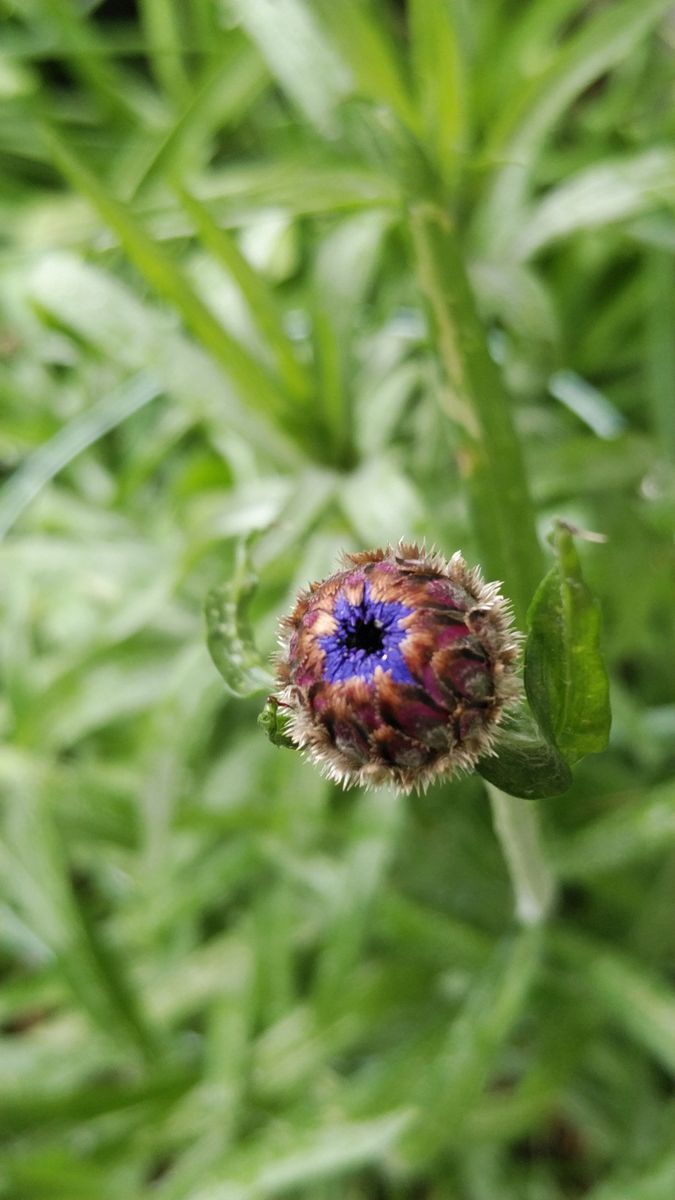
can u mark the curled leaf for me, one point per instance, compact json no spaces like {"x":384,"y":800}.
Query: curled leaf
{"x":228,"y":634}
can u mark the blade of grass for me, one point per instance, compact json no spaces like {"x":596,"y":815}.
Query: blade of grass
{"x":631,"y":833}
{"x":86,"y":55}
{"x":515,"y":48}
{"x":299,"y":56}
{"x":654,"y":1181}
{"x":587,"y":403}
{"x":458,"y":1075}
{"x":223,"y":1085}
{"x":598,"y":196}
{"x":51,"y":457}
{"x":220,"y":99}
{"x":343,"y":273}
{"x":375,"y":827}
{"x":427,"y":933}
{"x":27,"y":1112}
{"x":163,"y":37}
{"x":605,"y":38}
{"x":660,"y":348}
{"x":261,"y":304}
{"x":365,"y":44}
{"x":37,"y":873}
{"x":254,"y":384}
{"x":298,"y":187}
{"x":98,"y":309}
{"x":204,"y":19}
{"x":306,"y":1158}
{"x":637,"y":1002}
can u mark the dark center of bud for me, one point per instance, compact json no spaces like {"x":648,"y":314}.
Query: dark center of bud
{"x":366,"y":635}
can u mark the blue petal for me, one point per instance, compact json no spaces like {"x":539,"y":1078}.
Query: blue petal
{"x":343,"y":661}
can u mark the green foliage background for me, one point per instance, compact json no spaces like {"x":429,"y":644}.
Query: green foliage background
{"x":223,"y":979}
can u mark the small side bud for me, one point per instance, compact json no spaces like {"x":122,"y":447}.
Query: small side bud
{"x":274,"y":722}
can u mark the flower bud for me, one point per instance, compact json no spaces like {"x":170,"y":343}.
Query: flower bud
{"x":398,"y":668}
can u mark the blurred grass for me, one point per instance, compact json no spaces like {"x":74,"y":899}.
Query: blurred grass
{"x":222,"y":979}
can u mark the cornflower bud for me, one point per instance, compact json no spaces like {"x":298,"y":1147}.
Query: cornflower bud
{"x":398,"y":668}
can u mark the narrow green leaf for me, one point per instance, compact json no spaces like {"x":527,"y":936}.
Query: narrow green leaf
{"x":229,"y":638}
{"x":587,"y":403}
{"x":599,"y":195}
{"x":516,"y":48}
{"x":296,"y":186}
{"x":630,"y":833}
{"x":83,"y":48}
{"x":638,"y":1002}
{"x":367,"y":47}
{"x":24,"y":1111}
{"x":165,"y":49}
{"x":660,"y":348}
{"x":654,"y":1181}
{"x":305,"y":1157}
{"x":382,"y":397}
{"x":346,"y":262}
{"x":226,"y":90}
{"x":330,"y":366}
{"x":606,"y":37}
{"x":34,"y":1172}
{"x":85,"y":429}
{"x":100,"y":310}
{"x":609,"y":466}
{"x":424,"y":933}
{"x":298,"y":54}
{"x":112,"y":688}
{"x":458,"y":1075}
{"x":373,"y":833}
{"x":261,"y":304}
{"x":565,"y":677}
{"x":250,"y":379}
{"x":379,"y":500}
{"x":36,"y":875}
{"x":226,"y":1076}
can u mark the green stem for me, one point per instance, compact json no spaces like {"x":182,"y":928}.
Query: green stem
{"x":490,"y":456}
{"x":491,"y":462}
{"x":517,"y":827}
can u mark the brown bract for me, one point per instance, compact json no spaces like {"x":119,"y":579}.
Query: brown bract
{"x":436,"y":712}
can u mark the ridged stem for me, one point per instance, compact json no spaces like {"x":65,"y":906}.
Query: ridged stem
{"x":490,"y":458}
{"x":491,"y":462}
